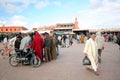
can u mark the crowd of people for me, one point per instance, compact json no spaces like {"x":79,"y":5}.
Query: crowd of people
{"x":46,"y":45}
{"x":108,"y":37}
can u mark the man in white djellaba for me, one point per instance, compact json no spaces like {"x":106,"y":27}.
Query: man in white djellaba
{"x":91,"y":51}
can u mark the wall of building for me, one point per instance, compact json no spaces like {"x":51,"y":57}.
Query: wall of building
{"x":8,"y":29}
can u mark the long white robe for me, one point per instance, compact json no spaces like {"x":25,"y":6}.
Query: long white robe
{"x":11,"y":44}
{"x":12,"y":41}
{"x":91,"y":50}
{"x":24,"y":43}
{"x":5,"y":40}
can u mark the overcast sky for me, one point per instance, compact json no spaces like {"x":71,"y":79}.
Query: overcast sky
{"x":95,"y":14}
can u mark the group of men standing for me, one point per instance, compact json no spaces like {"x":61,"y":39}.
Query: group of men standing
{"x":50,"y":47}
{"x":44,"y":44}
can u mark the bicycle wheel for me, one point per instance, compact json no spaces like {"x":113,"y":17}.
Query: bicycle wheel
{"x":35,"y":61}
{"x":13,"y":61}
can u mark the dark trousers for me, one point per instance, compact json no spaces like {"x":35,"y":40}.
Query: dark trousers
{"x":47,"y":54}
{"x":99,"y":55}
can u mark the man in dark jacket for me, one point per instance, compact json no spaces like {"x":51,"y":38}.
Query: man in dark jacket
{"x":18,"y":41}
{"x":47,"y":42}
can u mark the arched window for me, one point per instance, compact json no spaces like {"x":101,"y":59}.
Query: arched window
{"x":6,"y":29}
{"x":14,"y":29}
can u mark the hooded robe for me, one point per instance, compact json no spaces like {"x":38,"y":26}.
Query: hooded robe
{"x":38,"y":45}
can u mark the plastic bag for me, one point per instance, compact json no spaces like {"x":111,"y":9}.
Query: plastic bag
{"x":86,"y":61}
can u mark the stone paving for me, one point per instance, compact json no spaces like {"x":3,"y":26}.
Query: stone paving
{"x":68,"y":66}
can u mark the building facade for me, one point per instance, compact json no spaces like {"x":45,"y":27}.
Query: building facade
{"x":66,"y":28}
{"x":71,"y":28}
{"x":11,"y":29}
{"x":60,"y":28}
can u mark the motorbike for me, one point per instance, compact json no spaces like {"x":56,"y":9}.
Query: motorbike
{"x":28,"y":57}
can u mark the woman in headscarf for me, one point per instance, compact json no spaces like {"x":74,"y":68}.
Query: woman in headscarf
{"x":38,"y":45}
